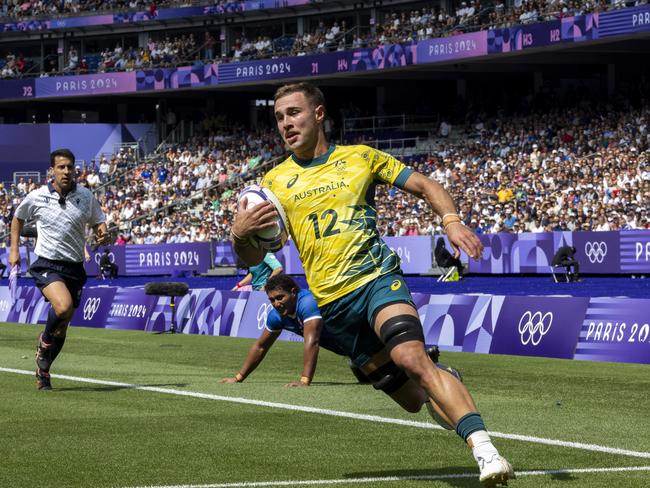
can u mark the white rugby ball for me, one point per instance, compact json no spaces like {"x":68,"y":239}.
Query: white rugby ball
{"x":273,"y":238}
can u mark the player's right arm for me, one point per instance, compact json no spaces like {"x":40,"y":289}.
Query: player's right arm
{"x":255,"y":356}
{"x":247,"y":222}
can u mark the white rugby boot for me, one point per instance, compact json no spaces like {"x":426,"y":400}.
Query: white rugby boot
{"x":495,"y":471}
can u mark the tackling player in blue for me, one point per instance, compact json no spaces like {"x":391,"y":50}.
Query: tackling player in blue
{"x":295,"y":310}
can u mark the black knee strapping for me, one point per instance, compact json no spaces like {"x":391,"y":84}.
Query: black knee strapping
{"x":388,"y":378}
{"x":401,"y":329}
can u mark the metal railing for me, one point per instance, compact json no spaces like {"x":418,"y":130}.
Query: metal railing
{"x":374,"y":123}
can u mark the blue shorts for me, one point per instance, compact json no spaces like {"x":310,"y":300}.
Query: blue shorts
{"x":349,"y":319}
{"x":46,"y":271}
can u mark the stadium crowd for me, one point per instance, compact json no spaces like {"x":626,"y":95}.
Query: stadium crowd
{"x":571,"y":169}
{"x":391,"y":27}
{"x":23,"y":10}
{"x":576,"y":169}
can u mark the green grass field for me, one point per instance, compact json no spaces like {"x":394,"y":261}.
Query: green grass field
{"x":141,"y":427}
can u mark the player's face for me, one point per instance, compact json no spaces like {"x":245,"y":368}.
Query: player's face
{"x":283,"y":301}
{"x":299,"y":122}
{"x":64,"y":172}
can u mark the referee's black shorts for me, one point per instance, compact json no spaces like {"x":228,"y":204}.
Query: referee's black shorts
{"x":46,"y":271}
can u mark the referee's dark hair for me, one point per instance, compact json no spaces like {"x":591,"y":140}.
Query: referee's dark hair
{"x":282,"y":282}
{"x":66,"y":153}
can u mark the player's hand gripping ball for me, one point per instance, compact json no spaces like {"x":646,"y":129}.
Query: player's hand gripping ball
{"x":272,"y":238}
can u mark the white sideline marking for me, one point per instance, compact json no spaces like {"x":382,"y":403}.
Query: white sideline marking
{"x":432,"y":477}
{"x":337,"y":413}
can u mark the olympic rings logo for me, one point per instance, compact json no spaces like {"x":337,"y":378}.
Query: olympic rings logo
{"x":91,"y":306}
{"x":262,"y":314}
{"x":596,"y":251}
{"x":534,"y":326}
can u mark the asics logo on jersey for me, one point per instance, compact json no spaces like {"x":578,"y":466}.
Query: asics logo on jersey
{"x":396,"y":285}
{"x":292,"y":181}
{"x":90,"y":307}
{"x":596,"y":251}
{"x":533,"y":326}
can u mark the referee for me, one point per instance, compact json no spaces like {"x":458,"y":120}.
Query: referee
{"x":62,"y":211}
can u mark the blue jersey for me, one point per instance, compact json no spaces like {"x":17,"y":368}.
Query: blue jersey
{"x":306,"y":310}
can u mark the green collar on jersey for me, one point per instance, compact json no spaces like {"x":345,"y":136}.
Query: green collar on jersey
{"x":317,"y":161}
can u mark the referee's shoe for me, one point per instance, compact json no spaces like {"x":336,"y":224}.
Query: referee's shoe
{"x":43,"y":363}
{"x":43,"y":354}
{"x":43,"y":380}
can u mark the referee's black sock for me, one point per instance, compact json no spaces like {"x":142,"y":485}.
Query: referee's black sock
{"x":57,"y":346}
{"x":51,"y":325}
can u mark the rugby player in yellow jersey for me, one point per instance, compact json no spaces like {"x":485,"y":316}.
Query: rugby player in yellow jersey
{"x":327,"y":192}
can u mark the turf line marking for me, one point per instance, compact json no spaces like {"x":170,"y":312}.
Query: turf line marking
{"x":432,"y":477}
{"x":337,"y":413}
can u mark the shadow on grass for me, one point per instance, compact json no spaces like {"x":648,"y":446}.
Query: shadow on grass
{"x":110,"y":388}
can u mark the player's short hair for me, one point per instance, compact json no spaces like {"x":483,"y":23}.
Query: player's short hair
{"x":311,"y":92}
{"x":281,"y":282}
{"x":66,"y":153}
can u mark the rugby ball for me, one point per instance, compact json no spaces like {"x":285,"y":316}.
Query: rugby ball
{"x":273,"y":238}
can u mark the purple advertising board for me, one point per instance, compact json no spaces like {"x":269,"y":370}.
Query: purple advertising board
{"x":95,"y":306}
{"x":130,"y":309}
{"x":256,"y":311}
{"x":29,"y":307}
{"x":155,"y":259}
{"x":224,"y":255}
{"x":520,"y":37}
{"x":174,"y":78}
{"x":414,"y":253}
{"x":539,"y":326}
{"x":635,"y":251}
{"x":619,"y":252}
{"x":445,"y":318}
{"x":615,"y":330}
{"x":625,"y":21}
{"x":67,"y":86}
{"x":24,"y":88}
{"x":455,"y":47}
{"x":597,"y":252}
{"x":598,"y":329}
{"x":166,"y":258}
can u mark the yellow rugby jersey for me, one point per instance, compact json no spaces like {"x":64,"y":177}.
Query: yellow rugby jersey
{"x":329,"y":203}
